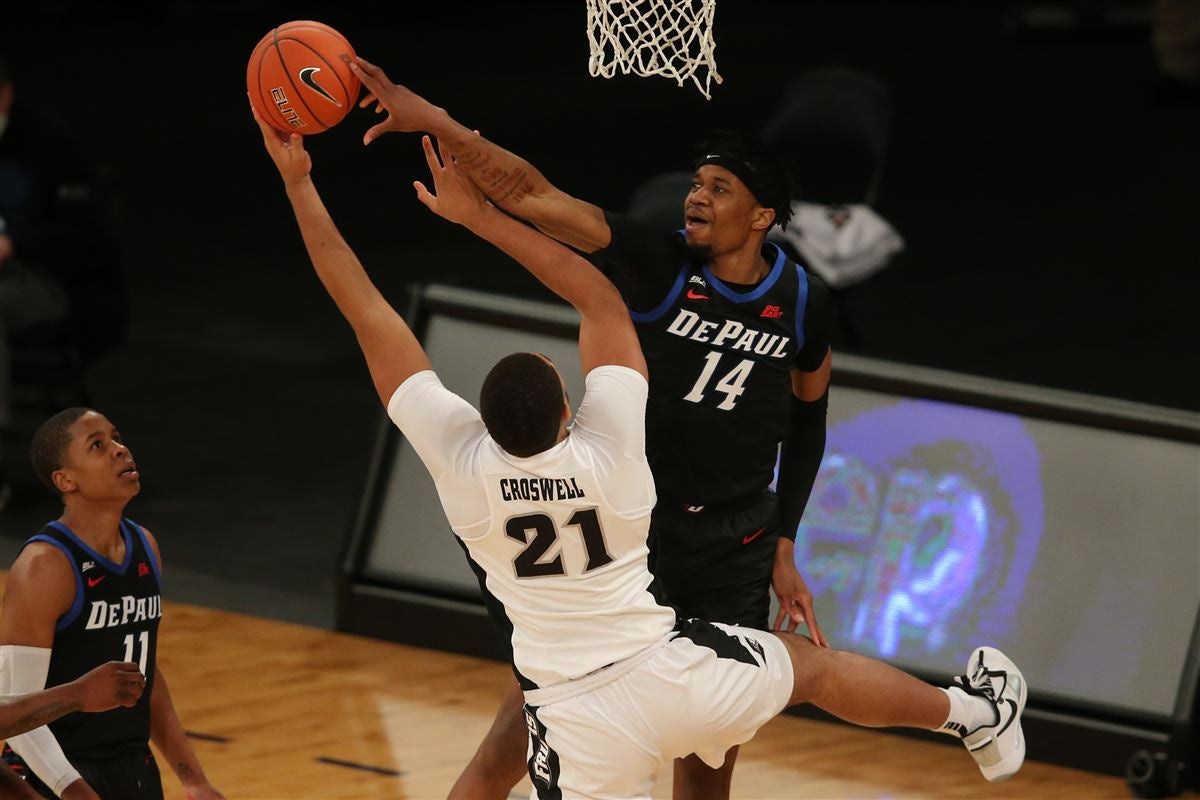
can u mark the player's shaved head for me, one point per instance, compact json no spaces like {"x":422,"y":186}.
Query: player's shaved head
{"x":48,"y":450}
{"x":521,"y":403}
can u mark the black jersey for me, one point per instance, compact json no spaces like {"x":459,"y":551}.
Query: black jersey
{"x":720,"y":358}
{"x":114,"y":617}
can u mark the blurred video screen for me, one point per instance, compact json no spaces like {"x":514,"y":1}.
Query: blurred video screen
{"x":935,"y":527}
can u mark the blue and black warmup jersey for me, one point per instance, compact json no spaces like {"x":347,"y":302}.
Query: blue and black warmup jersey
{"x":114,"y":617}
{"x":720,"y":358}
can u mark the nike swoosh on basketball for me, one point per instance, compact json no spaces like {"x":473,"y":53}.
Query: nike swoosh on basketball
{"x":693,"y":296}
{"x":307,"y":75}
{"x":93,"y":582}
{"x":753,"y":536}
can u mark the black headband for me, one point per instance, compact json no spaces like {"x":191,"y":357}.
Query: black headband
{"x":744,"y":171}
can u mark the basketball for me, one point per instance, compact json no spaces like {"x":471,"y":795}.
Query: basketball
{"x":299,"y":77}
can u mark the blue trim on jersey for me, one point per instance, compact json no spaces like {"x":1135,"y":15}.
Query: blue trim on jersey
{"x":109,"y":565}
{"x":758,"y":291}
{"x":73,"y":612}
{"x":154,"y":565}
{"x":801,"y":305}
{"x":651,"y":316}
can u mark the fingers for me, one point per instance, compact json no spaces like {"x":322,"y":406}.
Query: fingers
{"x":425,"y":196}
{"x":810,"y":619}
{"x":374,"y":132}
{"x":361,"y":63}
{"x":115,"y":683}
{"x":368,"y":98}
{"x":371,"y":75}
{"x":818,"y":634}
{"x":369,"y":68}
{"x":271,"y":135}
{"x":258,"y":120}
{"x":435,"y":166}
{"x":447,"y":158}
{"x":780,"y":619}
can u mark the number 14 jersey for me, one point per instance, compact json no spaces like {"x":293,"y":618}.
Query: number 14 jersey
{"x":720,"y":358}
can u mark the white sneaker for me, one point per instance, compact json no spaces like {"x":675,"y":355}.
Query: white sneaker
{"x":999,"y":748}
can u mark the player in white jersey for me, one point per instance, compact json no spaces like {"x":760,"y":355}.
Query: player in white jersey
{"x":558,"y":516}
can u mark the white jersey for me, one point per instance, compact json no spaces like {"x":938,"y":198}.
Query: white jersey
{"x":561,"y":535}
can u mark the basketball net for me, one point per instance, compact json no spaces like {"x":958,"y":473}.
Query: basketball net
{"x":672,"y":38}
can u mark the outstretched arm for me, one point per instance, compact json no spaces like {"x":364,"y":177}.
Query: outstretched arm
{"x":392,"y":351}
{"x":606,"y":334}
{"x":508,"y":180}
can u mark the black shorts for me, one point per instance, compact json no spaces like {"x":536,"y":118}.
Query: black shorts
{"x":129,"y":775}
{"x":715,"y":564}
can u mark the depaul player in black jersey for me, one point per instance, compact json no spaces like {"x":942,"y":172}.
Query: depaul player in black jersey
{"x":84,"y":591}
{"x":735,"y":338}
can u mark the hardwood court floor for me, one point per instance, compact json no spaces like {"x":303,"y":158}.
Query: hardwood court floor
{"x":286,"y":696}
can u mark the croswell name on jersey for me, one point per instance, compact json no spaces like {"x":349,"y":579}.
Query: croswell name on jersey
{"x":561,"y":535}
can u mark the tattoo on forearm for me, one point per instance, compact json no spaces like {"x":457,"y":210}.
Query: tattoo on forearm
{"x":42,"y":714}
{"x":497,"y":183}
{"x":184,"y":771}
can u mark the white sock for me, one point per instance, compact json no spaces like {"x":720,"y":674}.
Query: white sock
{"x":968,"y":713}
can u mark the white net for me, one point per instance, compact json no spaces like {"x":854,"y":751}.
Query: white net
{"x":672,"y":38}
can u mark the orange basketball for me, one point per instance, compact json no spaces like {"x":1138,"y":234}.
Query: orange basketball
{"x":299,"y":77}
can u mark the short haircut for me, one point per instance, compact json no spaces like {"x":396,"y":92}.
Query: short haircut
{"x":521,"y":403}
{"x":50,"y":443}
{"x":764,"y":173}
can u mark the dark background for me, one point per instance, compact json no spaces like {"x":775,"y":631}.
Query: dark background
{"x":1045,"y":179}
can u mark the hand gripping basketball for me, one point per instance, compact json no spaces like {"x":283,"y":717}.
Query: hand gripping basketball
{"x":299,"y":79}
{"x":286,"y":150}
{"x":407,"y":111}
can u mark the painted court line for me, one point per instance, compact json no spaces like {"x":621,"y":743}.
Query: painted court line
{"x":337,"y":762}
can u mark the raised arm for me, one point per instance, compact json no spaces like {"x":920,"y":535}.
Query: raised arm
{"x":508,"y":180}
{"x":392,"y":351}
{"x":606,"y":334}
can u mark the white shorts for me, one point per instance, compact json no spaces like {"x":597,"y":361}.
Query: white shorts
{"x":704,"y":690}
